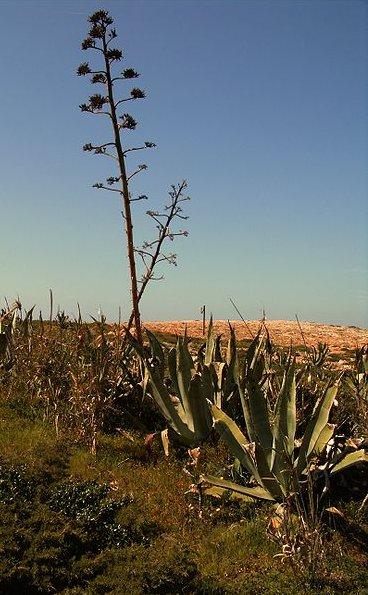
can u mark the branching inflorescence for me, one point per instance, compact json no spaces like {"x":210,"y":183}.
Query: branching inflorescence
{"x":151,"y":253}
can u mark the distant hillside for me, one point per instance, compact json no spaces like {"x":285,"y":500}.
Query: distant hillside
{"x":282,"y":332}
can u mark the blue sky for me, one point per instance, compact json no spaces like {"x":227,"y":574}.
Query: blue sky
{"x":260,"y":105}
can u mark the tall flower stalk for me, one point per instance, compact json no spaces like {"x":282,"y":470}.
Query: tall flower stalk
{"x":99,"y":39}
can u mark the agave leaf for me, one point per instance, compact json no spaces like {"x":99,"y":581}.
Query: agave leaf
{"x":231,"y":348}
{"x":229,"y":385}
{"x":135,"y":344}
{"x":231,"y":352}
{"x":217,"y":492}
{"x":217,"y":355}
{"x":145,"y":381}
{"x":285,"y":412}
{"x":350,"y":384}
{"x":184,"y":372}
{"x":200,"y":409}
{"x":210,"y":344}
{"x":353,"y":458}
{"x":180,"y":409}
{"x":253,"y":350}
{"x":213,"y":491}
{"x":171,"y":362}
{"x":246,"y":410}
{"x":156,"y":348}
{"x":237,"y":467}
{"x":252,"y":398}
{"x":242,"y":393}
{"x":161,"y":395}
{"x":254,"y":363}
{"x":29,"y":314}
{"x":323,"y":439}
{"x":208,"y":387}
{"x":275,"y":448}
{"x":284,"y":429}
{"x":236,"y":441}
{"x":185,"y":353}
{"x":219,"y":372}
{"x":260,"y":421}
{"x":316,"y":424}
{"x":256,"y":493}
{"x":267,"y":478}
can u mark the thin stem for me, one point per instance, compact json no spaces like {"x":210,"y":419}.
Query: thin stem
{"x":162,"y":235}
{"x":126,"y":198}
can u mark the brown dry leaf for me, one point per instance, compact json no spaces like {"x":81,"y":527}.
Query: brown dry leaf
{"x":334,"y":511}
{"x":165,"y":441}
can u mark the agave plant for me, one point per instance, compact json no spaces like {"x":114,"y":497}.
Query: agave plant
{"x":357,"y":380}
{"x":185,"y":387}
{"x":221,"y":367}
{"x":184,"y":397}
{"x":277,"y":463}
{"x":356,"y":384}
{"x":319,"y":354}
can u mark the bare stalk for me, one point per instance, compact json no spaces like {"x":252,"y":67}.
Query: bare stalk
{"x":125,"y":194}
{"x":100,"y":36}
{"x":152,"y":252}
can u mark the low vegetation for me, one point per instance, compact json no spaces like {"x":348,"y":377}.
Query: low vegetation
{"x":90,"y":502}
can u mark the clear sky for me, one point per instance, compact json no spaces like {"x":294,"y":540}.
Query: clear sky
{"x":260,"y":105}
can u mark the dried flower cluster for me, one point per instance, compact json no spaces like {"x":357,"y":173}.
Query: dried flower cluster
{"x":100,"y":36}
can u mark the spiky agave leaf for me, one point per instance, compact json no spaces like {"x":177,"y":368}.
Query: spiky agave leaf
{"x":210,"y":344}
{"x":315,"y":426}
{"x":247,"y":493}
{"x":353,"y":458}
{"x":284,"y":427}
{"x":238,"y":444}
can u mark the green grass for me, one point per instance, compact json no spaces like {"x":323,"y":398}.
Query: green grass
{"x":145,"y":535}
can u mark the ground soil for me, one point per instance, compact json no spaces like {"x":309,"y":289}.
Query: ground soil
{"x":282,"y":332}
